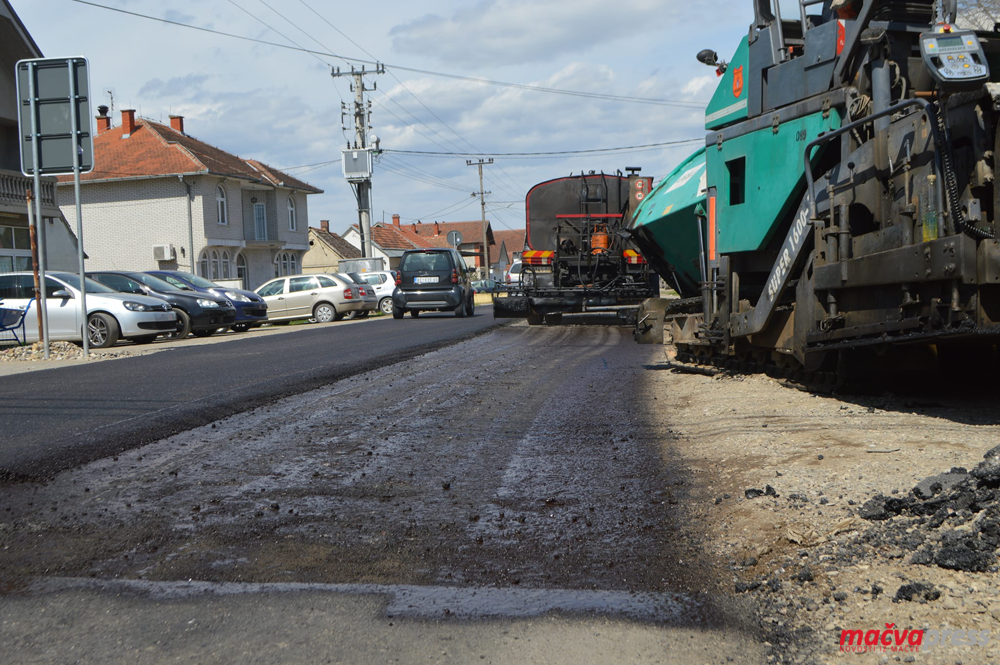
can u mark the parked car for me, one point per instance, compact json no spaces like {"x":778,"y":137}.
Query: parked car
{"x":384,"y":283}
{"x":432,"y":280}
{"x":367,"y":292}
{"x":513,"y":275}
{"x":322,"y":297}
{"x":110,"y":315}
{"x":251,"y":310}
{"x":198,"y":313}
{"x":485,"y":286}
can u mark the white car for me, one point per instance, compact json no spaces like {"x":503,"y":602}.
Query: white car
{"x":110,"y":314}
{"x":513,"y":275}
{"x":384,"y":283}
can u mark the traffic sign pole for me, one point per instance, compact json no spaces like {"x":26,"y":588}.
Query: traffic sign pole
{"x":75,"y":124}
{"x":39,"y":222}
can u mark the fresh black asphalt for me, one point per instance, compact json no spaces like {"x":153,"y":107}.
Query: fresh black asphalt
{"x":60,"y":418}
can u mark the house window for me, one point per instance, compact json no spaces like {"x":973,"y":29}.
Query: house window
{"x":286,"y":263}
{"x":225,"y":265}
{"x":260,"y":221}
{"x":241,"y":270}
{"x":220,"y":203}
{"x":205,"y":265}
{"x":15,"y":249}
{"x":216,"y":274}
{"x":292,"y":225}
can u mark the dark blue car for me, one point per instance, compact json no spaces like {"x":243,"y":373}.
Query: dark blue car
{"x":251,"y":310}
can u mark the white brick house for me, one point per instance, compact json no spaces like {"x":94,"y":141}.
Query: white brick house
{"x":249,"y":221}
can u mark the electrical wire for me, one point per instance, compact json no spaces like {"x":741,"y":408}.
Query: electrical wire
{"x":555,"y":153}
{"x":471,"y":79}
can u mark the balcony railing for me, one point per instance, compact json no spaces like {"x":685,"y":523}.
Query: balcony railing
{"x":13,"y":185}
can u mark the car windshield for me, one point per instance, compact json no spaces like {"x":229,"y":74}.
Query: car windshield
{"x":154,"y":283}
{"x":431,"y":261}
{"x":92,"y":286}
{"x":200,"y":282}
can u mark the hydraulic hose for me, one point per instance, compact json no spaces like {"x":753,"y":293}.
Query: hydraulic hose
{"x":951,"y":184}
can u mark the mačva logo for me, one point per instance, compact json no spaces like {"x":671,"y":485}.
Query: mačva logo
{"x":908,"y":641}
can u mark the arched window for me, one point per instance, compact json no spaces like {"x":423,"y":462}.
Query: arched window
{"x":215,"y":266}
{"x":205,"y":267}
{"x":284,"y":263}
{"x":225,"y":265}
{"x":293,"y":263}
{"x":292,"y":222}
{"x":220,"y":203}
{"x":241,"y":269}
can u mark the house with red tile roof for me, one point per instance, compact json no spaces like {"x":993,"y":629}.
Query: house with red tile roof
{"x":389,"y":241}
{"x":154,"y":186}
{"x":471,"y":246}
{"x":508,"y":248}
{"x":326,"y":250}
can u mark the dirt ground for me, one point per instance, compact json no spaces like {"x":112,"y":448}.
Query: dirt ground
{"x":815,"y":566}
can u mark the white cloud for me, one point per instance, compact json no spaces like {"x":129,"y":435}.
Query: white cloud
{"x":521,"y":31}
{"x":699,"y":83}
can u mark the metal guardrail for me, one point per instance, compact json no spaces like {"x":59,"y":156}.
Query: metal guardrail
{"x":13,"y":185}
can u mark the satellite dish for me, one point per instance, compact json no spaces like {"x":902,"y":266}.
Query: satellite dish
{"x":454,"y":238}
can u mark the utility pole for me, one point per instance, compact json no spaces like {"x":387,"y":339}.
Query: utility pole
{"x":362,"y":124}
{"x":482,"y":205}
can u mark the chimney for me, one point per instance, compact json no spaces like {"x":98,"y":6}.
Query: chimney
{"x":324,"y":224}
{"x":414,"y":228}
{"x":395,"y":221}
{"x":177,"y":123}
{"x":437,"y":229}
{"x":128,"y":122}
{"x":103,"y":121}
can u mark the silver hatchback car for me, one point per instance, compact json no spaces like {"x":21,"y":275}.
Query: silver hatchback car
{"x":111,"y":315}
{"x":322,"y":297}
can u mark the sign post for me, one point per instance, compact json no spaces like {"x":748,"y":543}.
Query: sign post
{"x":54,"y":94}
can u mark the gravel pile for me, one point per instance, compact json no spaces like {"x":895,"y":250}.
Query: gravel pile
{"x":57,"y":351}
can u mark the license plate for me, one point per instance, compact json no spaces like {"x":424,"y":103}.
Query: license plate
{"x":425,"y":280}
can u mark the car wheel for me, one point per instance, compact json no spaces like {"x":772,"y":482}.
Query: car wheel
{"x":240,"y":327}
{"x":397,"y":313}
{"x":414,"y":313}
{"x":462,"y":309}
{"x":204,"y":333}
{"x":102,"y":331}
{"x":324,"y":312}
{"x":147,"y":339}
{"x":385,"y":304}
{"x":183,"y":326}
{"x":472,"y":306}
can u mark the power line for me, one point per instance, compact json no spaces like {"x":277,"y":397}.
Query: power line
{"x":647,"y":146}
{"x":471,"y":79}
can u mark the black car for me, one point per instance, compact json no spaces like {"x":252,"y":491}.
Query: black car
{"x":198,"y":313}
{"x":432,"y":280}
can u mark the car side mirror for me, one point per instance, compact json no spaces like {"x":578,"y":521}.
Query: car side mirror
{"x":62,"y":293}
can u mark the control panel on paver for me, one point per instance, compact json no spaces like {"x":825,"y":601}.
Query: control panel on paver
{"x":955,"y":58}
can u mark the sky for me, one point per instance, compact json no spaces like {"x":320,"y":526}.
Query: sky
{"x":283,"y":107}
